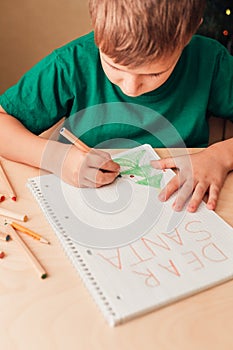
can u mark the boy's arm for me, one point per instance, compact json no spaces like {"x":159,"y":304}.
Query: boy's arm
{"x":73,"y":166}
{"x":199,"y":173}
{"x":17,"y":143}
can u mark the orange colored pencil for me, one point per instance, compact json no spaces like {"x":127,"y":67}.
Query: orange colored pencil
{"x":28,"y":232}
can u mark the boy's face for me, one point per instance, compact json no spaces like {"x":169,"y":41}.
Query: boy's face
{"x":137,"y":81}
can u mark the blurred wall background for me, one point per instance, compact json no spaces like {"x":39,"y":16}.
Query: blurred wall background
{"x":31,"y":29}
{"x":218,"y":22}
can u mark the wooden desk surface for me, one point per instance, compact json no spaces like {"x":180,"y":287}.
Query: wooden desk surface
{"x":58,"y":313}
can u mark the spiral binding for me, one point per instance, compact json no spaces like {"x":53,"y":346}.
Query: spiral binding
{"x":74,"y":255}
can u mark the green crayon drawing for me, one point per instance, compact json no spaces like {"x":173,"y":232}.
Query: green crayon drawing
{"x":153,"y":181}
{"x":145,"y":171}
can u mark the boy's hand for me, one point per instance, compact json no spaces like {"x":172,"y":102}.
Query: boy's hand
{"x":198,"y":174}
{"x":93,"y":169}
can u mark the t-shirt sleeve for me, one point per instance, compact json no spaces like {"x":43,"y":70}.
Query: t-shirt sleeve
{"x":221,"y":93}
{"x":42,"y":96}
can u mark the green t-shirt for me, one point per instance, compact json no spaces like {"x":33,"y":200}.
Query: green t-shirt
{"x":71,"y":82}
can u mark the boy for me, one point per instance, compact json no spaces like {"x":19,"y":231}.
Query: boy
{"x":144,"y":55}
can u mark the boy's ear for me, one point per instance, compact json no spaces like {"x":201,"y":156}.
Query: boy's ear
{"x":200,"y":23}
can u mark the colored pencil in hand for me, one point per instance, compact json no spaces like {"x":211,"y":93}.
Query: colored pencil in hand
{"x":78,"y":143}
{"x":73,"y":139}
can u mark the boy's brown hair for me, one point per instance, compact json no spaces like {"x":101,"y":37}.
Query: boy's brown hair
{"x":134,"y":32}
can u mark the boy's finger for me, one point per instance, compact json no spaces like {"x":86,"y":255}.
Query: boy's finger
{"x":198,"y":194}
{"x":182,"y":196}
{"x":165,"y":163}
{"x":88,"y":184}
{"x":97,"y":161}
{"x":213,"y":197}
{"x":170,"y":188}
{"x":105,"y":178}
{"x":103,"y":154}
{"x":110,"y":166}
{"x":97,"y":178}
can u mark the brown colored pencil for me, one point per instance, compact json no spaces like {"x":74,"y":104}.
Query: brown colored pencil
{"x":35,"y":262}
{"x":8,"y":185}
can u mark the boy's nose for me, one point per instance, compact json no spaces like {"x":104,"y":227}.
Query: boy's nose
{"x":131,"y":85}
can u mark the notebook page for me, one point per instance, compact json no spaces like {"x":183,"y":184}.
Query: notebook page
{"x":173,"y":256}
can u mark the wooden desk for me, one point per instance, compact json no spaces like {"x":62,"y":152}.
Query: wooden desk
{"x":58,"y":313}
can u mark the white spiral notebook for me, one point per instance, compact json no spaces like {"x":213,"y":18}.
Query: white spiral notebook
{"x":134,"y":253}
